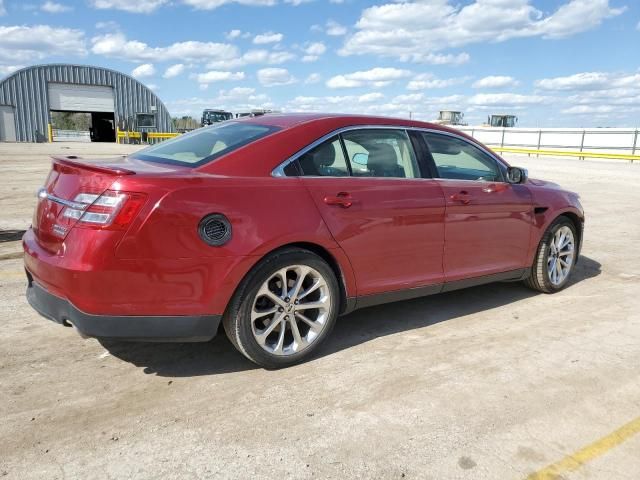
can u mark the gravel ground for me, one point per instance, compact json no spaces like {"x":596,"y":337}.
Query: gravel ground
{"x":492,"y":382}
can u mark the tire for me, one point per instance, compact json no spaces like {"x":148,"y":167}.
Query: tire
{"x":542,"y":276}
{"x":261,"y":316}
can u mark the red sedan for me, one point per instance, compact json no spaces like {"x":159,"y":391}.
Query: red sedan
{"x":274,"y":226}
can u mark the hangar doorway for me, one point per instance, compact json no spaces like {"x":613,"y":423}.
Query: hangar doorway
{"x":82,"y":113}
{"x":7,"y":124}
{"x":83,"y":126}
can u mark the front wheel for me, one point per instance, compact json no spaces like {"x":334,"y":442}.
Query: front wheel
{"x":555,"y":258}
{"x":284,"y":309}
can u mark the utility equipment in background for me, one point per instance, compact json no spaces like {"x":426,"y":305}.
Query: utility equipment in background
{"x":450,"y":117}
{"x":502,"y":120}
{"x":210,"y":116}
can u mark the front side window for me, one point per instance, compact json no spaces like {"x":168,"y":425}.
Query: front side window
{"x":457,"y":159}
{"x":205,"y":144}
{"x":325,"y":160}
{"x":380,"y":153}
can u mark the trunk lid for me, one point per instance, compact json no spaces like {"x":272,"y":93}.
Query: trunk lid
{"x":71,"y":176}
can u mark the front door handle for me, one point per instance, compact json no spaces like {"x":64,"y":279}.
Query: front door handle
{"x":342,"y":199}
{"x":462,"y":197}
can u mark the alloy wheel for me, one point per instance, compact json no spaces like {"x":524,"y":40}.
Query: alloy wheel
{"x":561,"y":254}
{"x":290,"y":310}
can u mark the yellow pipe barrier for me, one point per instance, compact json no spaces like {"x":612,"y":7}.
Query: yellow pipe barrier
{"x":162,"y":135}
{"x":566,"y":153}
{"x":50,"y":132}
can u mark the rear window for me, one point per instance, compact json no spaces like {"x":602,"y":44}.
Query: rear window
{"x":205,"y":144}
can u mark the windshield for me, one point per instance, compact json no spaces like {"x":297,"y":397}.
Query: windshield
{"x":205,"y":144}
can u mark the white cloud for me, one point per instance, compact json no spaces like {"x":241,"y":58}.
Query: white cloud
{"x":269,"y":37}
{"x":218,"y":76}
{"x":334,"y":29}
{"x":588,"y":109}
{"x":505,"y":99}
{"x":412,"y":30}
{"x":590,"y":81}
{"x":213,"y":4}
{"x":377,"y":77}
{"x":108,"y":25}
{"x":144,"y":70}
{"x":174,"y":70}
{"x":53,"y":7}
{"x":117,"y":45}
{"x":237,"y":99}
{"x":137,"y":6}
{"x":254,"y":57}
{"x":313,"y":78}
{"x":596,"y":92}
{"x":427,"y":81}
{"x":233,"y":34}
{"x":313,"y":51}
{"x":495,"y":81}
{"x":370,"y":97}
{"x":271,"y":77}
{"x":28,"y":44}
{"x":9,"y":69}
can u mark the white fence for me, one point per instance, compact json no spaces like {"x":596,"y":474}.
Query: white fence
{"x":70,"y":135}
{"x":619,"y":141}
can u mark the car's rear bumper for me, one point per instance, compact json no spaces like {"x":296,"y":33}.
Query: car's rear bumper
{"x":197,"y":328}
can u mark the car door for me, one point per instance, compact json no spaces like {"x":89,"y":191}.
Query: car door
{"x":389,"y":221}
{"x":488,"y":221}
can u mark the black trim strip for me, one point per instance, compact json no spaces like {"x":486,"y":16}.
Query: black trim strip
{"x":408,"y":294}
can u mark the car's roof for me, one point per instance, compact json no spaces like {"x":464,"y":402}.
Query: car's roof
{"x":337,"y":120}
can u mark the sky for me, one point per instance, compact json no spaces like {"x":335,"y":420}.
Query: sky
{"x":553,"y":63}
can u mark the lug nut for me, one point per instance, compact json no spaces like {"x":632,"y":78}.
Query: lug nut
{"x":286,"y":317}
{"x":297,"y":302}
{"x":281,"y":309}
{"x":287,"y":299}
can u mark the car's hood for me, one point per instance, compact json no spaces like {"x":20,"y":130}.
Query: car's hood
{"x":543,"y":183}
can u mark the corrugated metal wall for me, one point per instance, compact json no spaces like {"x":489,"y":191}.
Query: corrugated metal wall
{"x":27,"y":91}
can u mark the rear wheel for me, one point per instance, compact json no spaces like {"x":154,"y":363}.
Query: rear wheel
{"x":555,"y":257}
{"x":284,"y":309}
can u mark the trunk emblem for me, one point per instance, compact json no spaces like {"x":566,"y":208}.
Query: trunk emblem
{"x":59,"y":230}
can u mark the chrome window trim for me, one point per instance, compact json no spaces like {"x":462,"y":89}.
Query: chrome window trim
{"x":279,"y":170}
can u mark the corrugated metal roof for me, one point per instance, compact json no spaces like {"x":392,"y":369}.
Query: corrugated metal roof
{"x":27,"y":91}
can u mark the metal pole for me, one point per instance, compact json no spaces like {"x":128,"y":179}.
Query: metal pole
{"x":539,"y":142}
{"x":472,"y":130}
{"x":582,"y":143}
{"x":502,"y":141}
{"x":635,"y":142}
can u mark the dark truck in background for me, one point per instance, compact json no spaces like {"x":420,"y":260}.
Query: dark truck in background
{"x":210,"y":117}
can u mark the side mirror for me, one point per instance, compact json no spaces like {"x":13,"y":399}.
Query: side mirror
{"x":517,"y":175}
{"x":360,"y":159}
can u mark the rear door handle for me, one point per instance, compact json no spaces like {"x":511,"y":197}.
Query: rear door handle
{"x":462,"y":197}
{"x":342,"y":199}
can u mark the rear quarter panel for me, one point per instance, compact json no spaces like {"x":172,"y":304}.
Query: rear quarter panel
{"x":265,"y":213}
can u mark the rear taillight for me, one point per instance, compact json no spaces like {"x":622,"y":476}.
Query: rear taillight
{"x":111,"y":209}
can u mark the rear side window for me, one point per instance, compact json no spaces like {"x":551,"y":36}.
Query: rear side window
{"x":325,"y":160}
{"x":205,"y":144}
{"x":459,"y":160}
